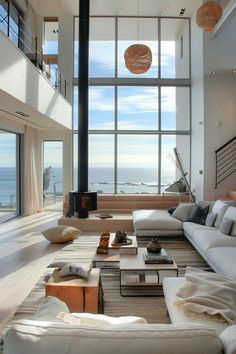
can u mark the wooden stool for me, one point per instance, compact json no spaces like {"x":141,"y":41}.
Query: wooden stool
{"x":79,"y":294}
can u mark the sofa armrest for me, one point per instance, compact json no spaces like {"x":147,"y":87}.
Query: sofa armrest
{"x":228,"y":338}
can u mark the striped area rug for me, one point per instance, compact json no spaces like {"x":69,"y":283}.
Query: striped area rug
{"x":151,"y":308}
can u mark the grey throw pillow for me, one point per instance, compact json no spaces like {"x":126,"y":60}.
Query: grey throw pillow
{"x":226,"y":225}
{"x":210,"y":219}
{"x":58,"y":264}
{"x":182,"y":211}
{"x":74,"y":269}
{"x":198,"y":215}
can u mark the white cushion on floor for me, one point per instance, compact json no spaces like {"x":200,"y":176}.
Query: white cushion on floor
{"x":209,"y":239}
{"x":155,"y":220}
{"x":177,"y":316}
{"x":61,"y":234}
{"x":223,"y":260}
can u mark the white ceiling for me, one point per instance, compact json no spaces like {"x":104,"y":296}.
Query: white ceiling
{"x":135,"y":7}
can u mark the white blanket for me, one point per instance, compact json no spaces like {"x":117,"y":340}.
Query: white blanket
{"x":209,"y":295}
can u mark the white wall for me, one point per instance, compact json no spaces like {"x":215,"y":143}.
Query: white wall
{"x":197,"y":153}
{"x":220,"y":102}
{"x":20,"y":79}
{"x":220,"y":126}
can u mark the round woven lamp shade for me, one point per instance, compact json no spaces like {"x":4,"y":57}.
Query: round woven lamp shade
{"x":208,"y":15}
{"x":138,"y":58}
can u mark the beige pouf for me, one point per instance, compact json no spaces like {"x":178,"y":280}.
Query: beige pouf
{"x":61,"y":234}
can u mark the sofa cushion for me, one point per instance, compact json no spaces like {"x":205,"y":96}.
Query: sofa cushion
{"x":189,"y":227}
{"x":231,"y":214}
{"x":219,"y":208}
{"x":35,"y":337}
{"x":177,"y":316}
{"x":226,"y":225}
{"x":97,"y":320}
{"x":206,"y":239}
{"x":49,"y":308}
{"x":155,"y":220}
{"x":182,"y":211}
{"x":210,"y":219}
{"x":228,"y":338}
{"x":223,"y":260}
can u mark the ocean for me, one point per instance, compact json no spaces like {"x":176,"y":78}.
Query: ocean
{"x":130,"y":180}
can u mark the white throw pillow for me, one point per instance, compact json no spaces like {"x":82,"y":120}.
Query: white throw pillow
{"x":182,"y":211}
{"x":210,"y":219}
{"x":219,"y":208}
{"x":49,"y":308}
{"x":61,"y":234}
{"x":91,"y":320}
{"x":226,"y":225}
{"x":231,"y":214}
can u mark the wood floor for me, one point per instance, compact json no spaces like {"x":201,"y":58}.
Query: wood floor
{"x":24,"y":255}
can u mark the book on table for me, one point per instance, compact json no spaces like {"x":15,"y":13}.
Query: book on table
{"x":157,"y":258}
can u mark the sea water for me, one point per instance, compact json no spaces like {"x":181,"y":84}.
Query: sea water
{"x":129,"y":180}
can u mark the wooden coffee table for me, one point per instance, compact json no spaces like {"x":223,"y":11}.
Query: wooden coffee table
{"x":112,"y":258}
{"x":136,"y":274}
{"x":79,"y":294}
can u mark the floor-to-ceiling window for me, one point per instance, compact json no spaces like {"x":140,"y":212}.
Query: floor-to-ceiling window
{"x":9,"y":175}
{"x":136,"y":120}
{"x":50,"y":50}
{"x":53,"y":175}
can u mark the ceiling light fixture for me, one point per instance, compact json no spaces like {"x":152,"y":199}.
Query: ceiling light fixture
{"x":138,"y":57}
{"x":22,"y":114}
{"x":208,"y":15}
{"x":182,"y":11}
{"x":167,"y":8}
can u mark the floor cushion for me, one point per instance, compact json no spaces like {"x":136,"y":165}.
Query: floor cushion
{"x":61,"y":234}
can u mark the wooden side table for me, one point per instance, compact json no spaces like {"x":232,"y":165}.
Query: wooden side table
{"x":79,"y":294}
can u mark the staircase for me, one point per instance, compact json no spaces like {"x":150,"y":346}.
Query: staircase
{"x":225,"y":161}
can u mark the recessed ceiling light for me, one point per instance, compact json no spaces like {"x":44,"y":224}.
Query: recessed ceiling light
{"x":22,"y":114}
{"x":182,"y":11}
{"x":167,"y":8}
{"x":213,"y":72}
{"x":234,"y":71}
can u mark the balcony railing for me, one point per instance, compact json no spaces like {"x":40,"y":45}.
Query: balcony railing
{"x":21,"y":35}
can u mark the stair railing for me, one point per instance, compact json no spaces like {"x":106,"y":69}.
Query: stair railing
{"x":225,"y":161}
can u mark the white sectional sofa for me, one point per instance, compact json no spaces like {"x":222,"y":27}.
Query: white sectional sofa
{"x":47,"y":333}
{"x":218,"y":249}
{"x":38,"y":337}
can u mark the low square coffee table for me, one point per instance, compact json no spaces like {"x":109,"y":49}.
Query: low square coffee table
{"x":136,"y":274}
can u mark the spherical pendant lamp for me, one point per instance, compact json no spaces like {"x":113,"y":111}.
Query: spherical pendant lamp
{"x":208,"y":15}
{"x":138,"y":58}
